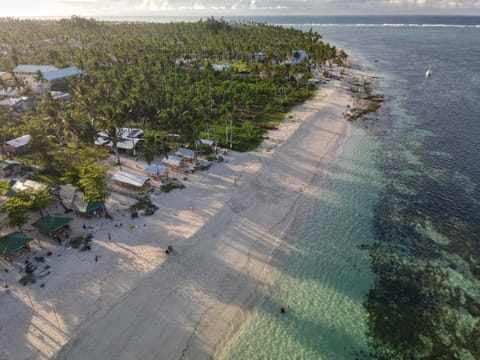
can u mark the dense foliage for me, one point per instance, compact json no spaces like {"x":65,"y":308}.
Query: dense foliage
{"x":158,"y":77}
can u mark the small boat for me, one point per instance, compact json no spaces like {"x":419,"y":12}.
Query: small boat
{"x":428,"y":73}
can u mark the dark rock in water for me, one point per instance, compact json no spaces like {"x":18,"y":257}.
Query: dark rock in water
{"x":282,"y":310}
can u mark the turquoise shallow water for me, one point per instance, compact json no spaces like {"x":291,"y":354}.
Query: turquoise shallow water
{"x":324,"y":276}
{"x":407,"y":184}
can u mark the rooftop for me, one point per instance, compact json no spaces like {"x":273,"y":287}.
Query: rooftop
{"x":34,"y":68}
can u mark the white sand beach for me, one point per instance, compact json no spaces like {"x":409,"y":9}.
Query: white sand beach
{"x":127,"y":299}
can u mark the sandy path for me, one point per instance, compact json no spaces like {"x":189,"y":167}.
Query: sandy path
{"x":194,"y":299}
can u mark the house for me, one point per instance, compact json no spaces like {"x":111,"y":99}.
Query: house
{"x":130,"y":180}
{"x":5,"y":75}
{"x":206,"y":142}
{"x":259,"y":57}
{"x":22,"y":72}
{"x":127,"y":140}
{"x":15,"y":104}
{"x":17,"y":145}
{"x":221,"y":67}
{"x":12,"y":92}
{"x":60,"y":95}
{"x":157,"y":171}
{"x":187,"y":154}
{"x":173,"y":162}
{"x":50,"y":74}
{"x":23,"y":185}
{"x":10,"y":167}
{"x":298,"y":56}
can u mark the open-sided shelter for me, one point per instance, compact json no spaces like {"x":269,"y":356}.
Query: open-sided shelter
{"x":13,"y":242}
{"x":52,"y":223}
{"x":187,"y":154}
{"x":130,"y":180}
{"x":157,"y":171}
{"x":173,"y":162}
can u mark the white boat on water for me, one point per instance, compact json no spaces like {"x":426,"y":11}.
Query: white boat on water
{"x":428,"y":73}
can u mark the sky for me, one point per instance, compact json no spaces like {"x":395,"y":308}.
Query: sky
{"x":92,"y":8}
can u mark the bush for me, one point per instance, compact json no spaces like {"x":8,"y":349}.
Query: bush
{"x":171,"y":186}
{"x":27,"y":279}
{"x":80,"y":241}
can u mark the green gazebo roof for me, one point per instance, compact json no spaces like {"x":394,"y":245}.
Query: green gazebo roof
{"x":51,"y":223}
{"x":13,"y":242}
{"x":87,"y":207}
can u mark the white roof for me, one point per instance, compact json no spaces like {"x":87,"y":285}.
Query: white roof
{"x":19,"y":142}
{"x":22,"y":185}
{"x":126,"y":143}
{"x":186,"y":153}
{"x":173,"y":160}
{"x":221,"y":67}
{"x":11,"y":91}
{"x":124,"y":133}
{"x":11,"y":101}
{"x":129,"y":178}
{"x":206,"y":142}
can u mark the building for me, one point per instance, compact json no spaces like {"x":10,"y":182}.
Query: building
{"x":130,"y":180}
{"x":10,"y":167}
{"x":298,"y":57}
{"x":157,"y":171}
{"x":221,"y":67}
{"x":259,"y":57}
{"x":23,"y":185}
{"x":127,"y":140}
{"x":29,"y":74}
{"x":187,"y":154}
{"x":5,"y":75}
{"x":173,"y":162}
{"x":18,"y":145}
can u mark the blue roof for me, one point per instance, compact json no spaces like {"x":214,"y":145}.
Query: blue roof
{"x":62,"y":73}
{"x":34,"y":68}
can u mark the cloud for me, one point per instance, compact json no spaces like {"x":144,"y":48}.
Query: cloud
{"x":235,"y":7}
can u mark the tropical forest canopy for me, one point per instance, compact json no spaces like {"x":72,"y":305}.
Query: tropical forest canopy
{"x":158,"y":77}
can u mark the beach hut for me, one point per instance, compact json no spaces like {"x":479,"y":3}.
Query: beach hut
{"x":10,"y":167}
{"x":13,"y":242}
{"x":187,"y":154}
{"x":173,"y":162}
{"x":130,"y":180}
{"x":52,"y":223}
{"x":157,"y":171}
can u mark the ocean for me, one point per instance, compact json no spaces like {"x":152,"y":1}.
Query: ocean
{"x":388,"y":267}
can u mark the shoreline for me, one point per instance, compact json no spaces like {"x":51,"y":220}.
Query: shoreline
{"x":227,"y":228}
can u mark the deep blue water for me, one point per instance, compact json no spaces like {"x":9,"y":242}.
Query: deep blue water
{"x":427,"y":221}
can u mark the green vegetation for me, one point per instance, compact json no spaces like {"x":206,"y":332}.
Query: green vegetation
{"x":4,"y":186}
{"x":80,"y":241}
{"x":158,"y":77}
{"x":171,"y":186}
{"x":153,"y":76}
